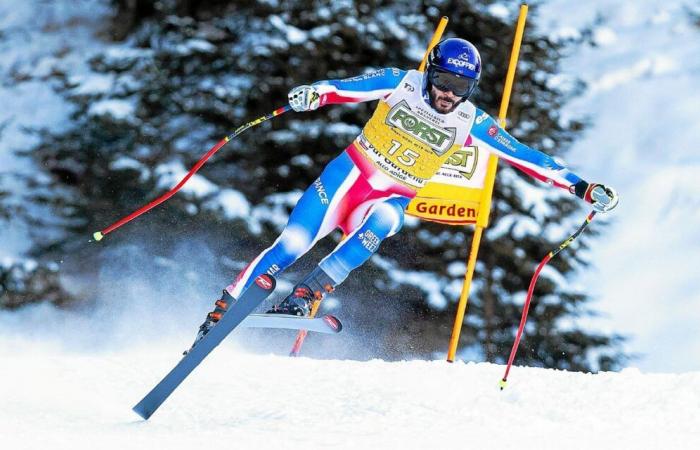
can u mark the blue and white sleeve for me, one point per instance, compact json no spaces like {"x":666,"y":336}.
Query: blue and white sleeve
{"x":487,"y":133}
{"x":363,"y":88}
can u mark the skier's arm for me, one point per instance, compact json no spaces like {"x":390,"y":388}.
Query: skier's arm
{"x":363,"y":88}
{"x":541,"y":166}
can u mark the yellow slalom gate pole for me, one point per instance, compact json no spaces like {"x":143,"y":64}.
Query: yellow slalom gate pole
{"x":485,"y":207}
{"x":433,"y":42}
{"x":301,"y":335}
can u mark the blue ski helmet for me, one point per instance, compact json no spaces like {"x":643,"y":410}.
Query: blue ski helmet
{"x":455,"y":65}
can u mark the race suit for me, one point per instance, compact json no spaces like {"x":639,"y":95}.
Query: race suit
{"x":365,"y":190}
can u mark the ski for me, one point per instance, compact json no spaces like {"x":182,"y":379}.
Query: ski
{"x":263,"y":286}
{"x":327,"y":324}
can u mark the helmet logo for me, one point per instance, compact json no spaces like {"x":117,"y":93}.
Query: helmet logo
{"x":461,"y":63}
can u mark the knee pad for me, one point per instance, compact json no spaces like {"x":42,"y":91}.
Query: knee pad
{"x":293,"y":242}
{"x":389,"y":215}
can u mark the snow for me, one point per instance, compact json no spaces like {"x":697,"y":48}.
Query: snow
{"x":428,"y":282}
{"x":92,"y":84}
{"x":563,"y":34}
{"x":395,"y":28}
{"x":71,"y":376}
{"x":604,"y":36}
{"x":275,"y":209}
{"x":521,"y":227}
{"x":343,"y":128}
{"x":170,"y":174}
{"x":320,"y":32}
{"x":60,"y":399}
{"x":116,"y":108}
{"x":113,"y":55}
{"x":500,"y":11}
{"x":643,"y":101}
{"x":32,"y":35}
{"x":302,"y":160}
{"x":231,"y":203}
{"x":456,"y":268}
{"x":197,"y":45}
{"x":294,"y":35}
{"x":126,"y":163}
{"x":644,"y":68}
{"x":66,"y":386}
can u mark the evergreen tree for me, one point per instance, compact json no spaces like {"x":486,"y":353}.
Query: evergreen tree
{"x":188,"y":72}
{"x":30,"y":282}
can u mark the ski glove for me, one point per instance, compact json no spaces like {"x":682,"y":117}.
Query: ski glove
{"x":304,"y":98}
{"x":603,"y":198}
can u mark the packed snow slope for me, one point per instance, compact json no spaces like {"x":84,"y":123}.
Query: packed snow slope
{"x":53,"y":398}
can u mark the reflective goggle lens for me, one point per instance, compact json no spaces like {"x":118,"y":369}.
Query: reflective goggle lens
{"x":446,"y":81}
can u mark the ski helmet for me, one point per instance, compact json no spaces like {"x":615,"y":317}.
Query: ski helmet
{"x":455,"y":65}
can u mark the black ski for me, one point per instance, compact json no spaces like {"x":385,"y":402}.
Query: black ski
{"x":249,"y":300}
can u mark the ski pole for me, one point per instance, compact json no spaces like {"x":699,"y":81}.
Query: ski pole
{"x":526,"y":306}
{"x":301,"y":335}
{"x":98,"y":235}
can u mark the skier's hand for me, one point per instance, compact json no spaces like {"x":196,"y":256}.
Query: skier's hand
{"x":603,"y":198}
{"x":304,"y":98}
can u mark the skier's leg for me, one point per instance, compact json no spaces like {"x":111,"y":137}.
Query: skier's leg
{"x":315,"y":215}
{"x":384,"y":219}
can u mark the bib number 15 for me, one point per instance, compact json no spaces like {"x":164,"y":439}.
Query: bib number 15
{"x":407,"y":157}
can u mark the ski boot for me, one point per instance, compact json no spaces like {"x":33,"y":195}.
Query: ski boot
{"x":300,"y":301}
{"x":213,"y":317}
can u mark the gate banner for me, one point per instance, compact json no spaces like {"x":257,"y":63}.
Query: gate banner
{"x":454,"y":194}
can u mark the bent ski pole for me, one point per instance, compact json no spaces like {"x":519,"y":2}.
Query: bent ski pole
{"x":98,"y":235}
{"x":533,"y":281}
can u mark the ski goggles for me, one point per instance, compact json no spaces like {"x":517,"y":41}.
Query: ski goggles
{"x":448,"y":81}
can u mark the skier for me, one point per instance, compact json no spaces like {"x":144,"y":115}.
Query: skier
{"x":421,"y":119}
